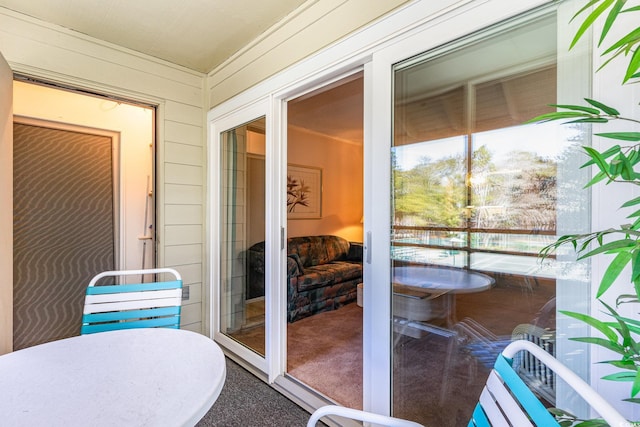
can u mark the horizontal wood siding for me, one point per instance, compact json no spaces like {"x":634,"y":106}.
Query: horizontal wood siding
{"x":56,"y":54}
{"x":315,"y":26}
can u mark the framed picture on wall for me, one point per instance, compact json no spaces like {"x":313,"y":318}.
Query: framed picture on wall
{"x":304,"y":192}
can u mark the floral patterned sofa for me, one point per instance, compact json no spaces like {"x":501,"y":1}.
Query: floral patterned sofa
{"x":322,"y":273}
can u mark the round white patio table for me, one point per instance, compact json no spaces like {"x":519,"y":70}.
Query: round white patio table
{"x":443,"y":282}
{"x":444,"y":279}
{"x":131,"y":377}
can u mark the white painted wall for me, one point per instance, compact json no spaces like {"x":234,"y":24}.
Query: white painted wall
{"x":6,"y":215}
{"x":56,"y":54}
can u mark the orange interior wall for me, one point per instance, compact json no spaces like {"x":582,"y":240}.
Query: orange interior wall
{"x":342,"y":184}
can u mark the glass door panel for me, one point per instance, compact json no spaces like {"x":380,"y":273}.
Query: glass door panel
{"x":476,"y":194}
{"x":242,"y":230}
{"x":324,"y":240}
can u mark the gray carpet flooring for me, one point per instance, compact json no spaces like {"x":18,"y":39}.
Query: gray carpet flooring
{"x":246,"y":401}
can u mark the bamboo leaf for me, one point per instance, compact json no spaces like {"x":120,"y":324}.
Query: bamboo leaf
{"x":609,"y":110}
{"x":590,"y":120}
{"x":590,"y":20}
{"x":636,"y":384}
{"x":635,"y":264}
{"x":621,"y":376}
{"x":629,"y":40}
{"x":616,"y":244}
{"x":634,"y":64}
{"x":558,"y":115}
{"x":623,"y":329}
{"x":634,"y":329}
{"x":613,"y":14}
{"x":631,"y":202}
{"x":612,"y":151}
{"x":596,"y":179}
{"x":628,"y":321}
{"x":627,"y":298}
{"x":602,"y":343}
{"x":577,"y":108}
{"x":626,"y":171}
{"x":597,"y":324}
{"x":613,"y":271}
{"x":634,"y":214}
{"x":611,"y":58}
{"x":597,"y":157}
{"x":624,"y":136}
{"x":586,"y":7}
{"x":615,"y":167}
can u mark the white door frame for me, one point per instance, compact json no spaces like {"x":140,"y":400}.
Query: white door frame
{"x":6,"y":199}
{"x":218,"y":125}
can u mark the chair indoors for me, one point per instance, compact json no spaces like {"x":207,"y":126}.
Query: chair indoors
{"x":505,"y":400}
{"x":138,"y":305}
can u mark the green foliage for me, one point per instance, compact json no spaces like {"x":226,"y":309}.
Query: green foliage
{"x":567,"y":419}
{"x":626,"y":46}
{"x":617,"y":164}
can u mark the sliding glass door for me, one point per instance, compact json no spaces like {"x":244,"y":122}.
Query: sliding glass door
{"x":239,"y":240}
{"x":459,"y":196}
{"x":242,"y":273}
{"x":476,"y":194}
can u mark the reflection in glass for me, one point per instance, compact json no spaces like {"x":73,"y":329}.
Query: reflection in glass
{"x":242,"y":307}
{"x":476,"y":194}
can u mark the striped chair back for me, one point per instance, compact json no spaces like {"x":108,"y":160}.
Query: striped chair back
{"x":127,"y":306}
{"x":507,"y":400}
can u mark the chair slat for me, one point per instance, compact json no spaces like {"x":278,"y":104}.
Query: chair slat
{"x":536,"y":410}
{"x":479,"y":418}
{"x":130,"y":305}
{"x":505,"y":402}
{"x":492,"y":410}
{"x":137,"y":287}
{"x":133,"y":296}
{"x":166,"y":322}
{"x":114,"y":316}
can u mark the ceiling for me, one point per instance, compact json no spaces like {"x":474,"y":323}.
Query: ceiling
{"x":197,"y":34}
{"x":336,"y":110}
{"x":200,"y":35}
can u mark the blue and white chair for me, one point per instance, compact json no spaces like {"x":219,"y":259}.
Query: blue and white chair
{"x":505,"y":400}
{"x":126,"y":306}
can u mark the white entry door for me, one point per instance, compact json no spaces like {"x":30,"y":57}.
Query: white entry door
{"x":6,"y":200}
